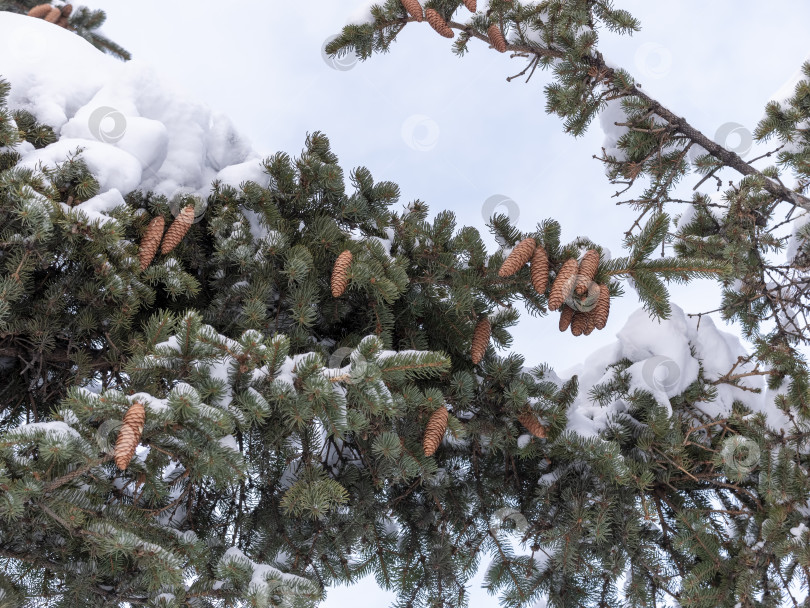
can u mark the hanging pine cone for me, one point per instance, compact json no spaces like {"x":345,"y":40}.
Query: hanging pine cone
{"x":602,"y":308}
{"x":63,"y":20}
{"x":178,"y":229}
{"x":563,"y":284}
{"x":566,"y":317}
{"x":590,"y":323}
{"x":587,"y":270}
{"x":53,"y":15}
{"x":151,"y":241}
{"x":578,"y":323}
{"x":438,"y":23}
{"x":480,"y":340}
{"x":414,"y":8}
{"x":496,"y":38}
{"x":340,"y":273}
{"x":521,"y":254}
{"x":529,"y":420}
{"x":40,"y":11}
{"x":539,"y":270}
{"x":130,"y":435}
{"x":435,"y":431}
{"x":471,"y":5}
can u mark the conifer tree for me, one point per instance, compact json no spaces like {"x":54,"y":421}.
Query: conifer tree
{"x":308,"y":385}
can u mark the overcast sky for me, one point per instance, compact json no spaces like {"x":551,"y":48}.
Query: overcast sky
{"x":452,"y":132}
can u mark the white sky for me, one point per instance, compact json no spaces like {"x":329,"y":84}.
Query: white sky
{"x":710,"y":61}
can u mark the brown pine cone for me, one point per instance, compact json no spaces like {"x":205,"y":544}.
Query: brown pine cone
{"x":178,"y":229}
{"x":602,"y":308}
{"x":62,"y":22}
{"x":435,"y":431}
{"x":53,"y":15}
{"x":539,"y":270}
{"x":579,"y":323}
{"x":587,"y":270}
{"x":563,"y":284}
{"x":496,"y":38}
{"x":414,"y":8}
{"x":40,"y":11}
{"x":67,"y":10}
{"x":529,"y":420}
{"x":566,"y":317}
{"x":340,"y":273}
{"x":590,"y":323}
{"x":438,"y":23}
{"x":521,"y":254}
{"x":130,"y":435}
{"x":480,"y":340}
{"x":471,"y":5}
{"x":151,"y":241}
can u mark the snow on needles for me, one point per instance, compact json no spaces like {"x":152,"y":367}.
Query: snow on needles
{"x":136,"y":130}
{"x":666,"y":358}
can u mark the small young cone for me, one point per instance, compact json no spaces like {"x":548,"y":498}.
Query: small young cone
{"x":587,"y":270}
{"x":496,"y":38}
{"x":340,"y":273}
{"x":562,"y":286}
{"x":471,"y":5}
{"x":130,"y":435}
{"x":414,"y":8}
{"x":62,"y":22}
{"x":151,"y":241}
{"x":521,"y":254}
{"x":438,"y":23}
{"x":40,"y":11}
{"x":53,"y":15}
{"x":435,"y":431}
{"x":602,"y":308}
{"x":530,"y":421}
{"x":480,"y":340}
{"x":178,"y":229}
{"x":578,"y":323}
{"x":566,"y":317}
{"x":67,"y":10}
{"x":539,"y":270}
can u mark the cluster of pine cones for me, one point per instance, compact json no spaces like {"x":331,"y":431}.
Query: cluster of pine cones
{"x":584,"y":305}
{"x":437,"y":22}
{"x":52,"y":14}
{"x":154,"y":233}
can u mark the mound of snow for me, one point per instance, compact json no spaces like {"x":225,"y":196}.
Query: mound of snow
{"x":136,"y":130}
